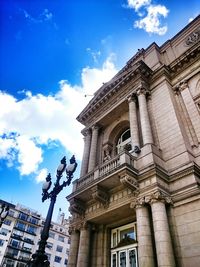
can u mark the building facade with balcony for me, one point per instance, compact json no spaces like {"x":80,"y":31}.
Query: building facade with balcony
{"x":20,"y":235}
{"x":137,"y":201}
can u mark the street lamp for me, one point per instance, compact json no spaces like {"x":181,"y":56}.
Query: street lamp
{"x":40,"y":259}
{"x":4,"y":210}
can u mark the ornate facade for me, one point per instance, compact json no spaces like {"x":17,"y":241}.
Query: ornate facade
{"x":137,"y":201}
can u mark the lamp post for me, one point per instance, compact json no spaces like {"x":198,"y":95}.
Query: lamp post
{"x":40,"y":259}
{"x":4,"y":210}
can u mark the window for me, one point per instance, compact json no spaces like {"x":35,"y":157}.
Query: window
{"x":4,"y":231}
{"x":15,"y":243}
{"x":33,"y":220}
{"x":8,"y":263}
{"x":29,"y":240}
{"x":61,"y":238}
{"x":31,"y":229}
{"x":1,"y":242}
{"x":58,"y":259}
{"x":11,"y":213}
{"x":20,"y":225}
{"x":66,"y":261}
{"x":49,"y":245}
{"x":23,"y":216}
{"x":7,"y":222}
{"x":27,"y":246}
{"x":18,"y":234}
{"x":124,"y":140}
{"x":59,"y":248}
{"x":125,"y":234}
{"x":51,"y":234}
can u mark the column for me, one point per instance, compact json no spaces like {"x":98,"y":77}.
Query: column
{"x":144,"y":117}
{"x":93,"y":148}
{"x":164,"y":250}
{"x":144,"y":235}
{"x":84,"y":247}
{"x":86,"y":152}
{"x":74,"y":246}
{"x":133,"y":121}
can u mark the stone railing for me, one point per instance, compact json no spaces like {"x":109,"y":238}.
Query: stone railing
{"x":104,"y":169}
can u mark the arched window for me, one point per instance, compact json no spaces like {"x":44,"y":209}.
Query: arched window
{"x":124,"y":140}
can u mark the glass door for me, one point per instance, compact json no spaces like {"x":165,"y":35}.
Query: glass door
{"x":122,"y":259}
{"x":132,"y":257}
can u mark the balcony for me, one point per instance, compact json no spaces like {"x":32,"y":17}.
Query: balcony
{"x":106,"y":176}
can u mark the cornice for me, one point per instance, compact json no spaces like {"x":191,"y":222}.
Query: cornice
{"x":111,"y":88}
{"x":181,"y":63}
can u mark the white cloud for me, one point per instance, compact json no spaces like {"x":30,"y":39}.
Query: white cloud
{"x":46,"y":15}
{"x":41,"y":175}
{"x":150,"y":16}
{"x":35,"y":120}
{"x":151,"y":23}
{"x":137,"y":4}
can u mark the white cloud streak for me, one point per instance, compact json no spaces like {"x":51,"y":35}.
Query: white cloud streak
{"x":150,"y":16}
{"x":27,"y":124}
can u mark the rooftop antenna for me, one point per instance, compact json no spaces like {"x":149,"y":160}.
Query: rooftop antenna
{"x":88,"y":95}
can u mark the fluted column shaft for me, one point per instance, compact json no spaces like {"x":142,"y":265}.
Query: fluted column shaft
{"x":84,"y":247}
{"x":86,"y":153}
{"x":93,"y":148}
{"x":164,"y":251}
{"x":74,"y":246}
{"x":133,"y":121}
{"x":144,"y":236}
{"x":144,"y":117}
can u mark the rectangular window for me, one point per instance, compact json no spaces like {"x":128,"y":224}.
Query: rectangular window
{"x":15,"y":243}
{"x":31,"y":229}
{"x":7,"y":222}
{"x":11,"y":213}
{"x":49,"y":245}
{"x":66,"y":261}
{"x":20,"y":225}
{"x":1,"y":242}
{"x":4,"y":231}
{"x":51,"y":234}
{"x":59,"y":248}
{"x":61,"y":238}
{"x":23,"y":216}
{"x":27,"y":246}
{"x":58,"y":259}
{"x":33,"y":220}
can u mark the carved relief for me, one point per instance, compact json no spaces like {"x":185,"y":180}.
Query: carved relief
{"x":193,"y":38}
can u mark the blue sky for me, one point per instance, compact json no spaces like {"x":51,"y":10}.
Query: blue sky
{"x":52,"y":54}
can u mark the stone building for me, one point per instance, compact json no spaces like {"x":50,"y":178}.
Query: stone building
{"x":137,"y":201}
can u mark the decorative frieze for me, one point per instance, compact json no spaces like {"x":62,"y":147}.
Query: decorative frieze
{"x":99,"y":194}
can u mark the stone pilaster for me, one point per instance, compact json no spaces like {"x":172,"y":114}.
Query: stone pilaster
{"x":144,"y":236}
{"x":164,"y":250}
{"x":84,"y":246}
{"x":144,"y":117}
{"x":133,"y":121}
{"x":93,"y":148}
{"x":73,"y":253}
{"x":86,"y":152}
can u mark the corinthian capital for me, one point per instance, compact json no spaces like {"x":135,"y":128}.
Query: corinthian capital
{"x":138,"y":203}
{"x":158,"y":196}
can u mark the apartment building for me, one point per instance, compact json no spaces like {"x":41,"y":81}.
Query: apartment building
{"x":20,"y":235}
{"x":137,"y":201}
